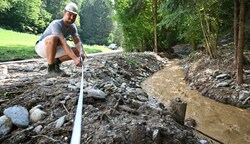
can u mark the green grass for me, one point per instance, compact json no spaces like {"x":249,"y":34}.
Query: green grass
{"x":15,"y":46}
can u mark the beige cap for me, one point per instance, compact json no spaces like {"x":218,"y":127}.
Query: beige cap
{"x":71,"y":7}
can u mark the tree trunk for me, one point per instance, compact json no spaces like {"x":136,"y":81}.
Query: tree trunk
{"x":240,"y":45}
{"x":155,"y":27}
{"x":210,"y":29}
{"x":236,"y":28}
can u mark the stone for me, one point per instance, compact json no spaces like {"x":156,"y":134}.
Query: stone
{"x":5,"y":125}
{"x":19,"y":116}
{"x":72,"y":87}
{"x":247,"y":71}
{"x":156,"y":136}
{"x":221,"y":76}
{"x":190,"y":122}
{"x":142,"y":98}
{"x":3,"y":71}
{"x":60,"y":121}
{"x":37,"y":115}
{"x":222,"y":84}
{"x":203,"y":142}
{"x":38,"y":106}
{"x":243,"y":95}
{"x":38,"y":128}
{"x":123,"y":85}
{"x":96,"y":94}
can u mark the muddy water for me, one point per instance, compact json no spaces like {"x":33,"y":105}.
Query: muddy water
{"x":226,"y":123}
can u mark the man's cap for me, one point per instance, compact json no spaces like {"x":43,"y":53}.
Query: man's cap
{"x":71,"y":7}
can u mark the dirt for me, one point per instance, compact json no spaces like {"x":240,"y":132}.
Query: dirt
{"x":216,"y":78}
{"x":124,"y":114}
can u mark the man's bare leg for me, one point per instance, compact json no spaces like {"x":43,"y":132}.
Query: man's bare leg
{"x":51,"y":43}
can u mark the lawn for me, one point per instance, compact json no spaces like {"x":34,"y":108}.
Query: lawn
{"x":16,"y":46}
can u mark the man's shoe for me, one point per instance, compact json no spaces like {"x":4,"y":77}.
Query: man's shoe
{"x":54,"y":71}
{"x":51,"y":74}
{"x":60,"y":72}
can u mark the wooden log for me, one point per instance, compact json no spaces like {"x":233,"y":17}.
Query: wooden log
{"x":179,"y":109}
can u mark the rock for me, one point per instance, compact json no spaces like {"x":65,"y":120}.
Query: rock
{"x":243,"y":95}
{"x":60,"y":121}
{"x":72,"y":87}
{"x":136,"y":104}
{"x":222,"y":84}
{"x":138,"y":134}
{"x":37,"y":115}
{"x":57,"y":113}
{"x":5,"y":125}
{"x":222,"y":76}
{"x":19,"y":116}
{"x":36,"y":107}
{"x":190,"y":122}
{"x":38,"y":129}
{"x":157,"y":136}
{"x":2,"y":101}
{"x":52,"y":79}
{"x":123,"y":86}
{"x":142,"y":98}
{"x":203,"y":142}
{"x":108,"y":86}
{"x":3,"y":71}
{"x":247,"y":71}
{"x":96,"y":94}
{"x":67,"y":98}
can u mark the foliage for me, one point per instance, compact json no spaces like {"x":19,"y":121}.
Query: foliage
{"x":24,"y":15}
{"x":198,"y":21}
{"x":181,"y":16}
{"x":210,"y":27}
{"x":6,"y":4}
{"x":55,"y":7}
{"x":132,"y":60}
{"x":179,"y":21}
{"x":95,"y":22}
{"x":135,"y":18}
{"x":116,"y":36}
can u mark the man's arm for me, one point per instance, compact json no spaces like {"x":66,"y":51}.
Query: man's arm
{"x":78,"y":45}
{"x":66,"y":47}
{"x":68,"y":50}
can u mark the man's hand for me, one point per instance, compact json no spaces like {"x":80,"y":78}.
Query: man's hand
{"x":82,"y":57}
{"x":77,"y":62}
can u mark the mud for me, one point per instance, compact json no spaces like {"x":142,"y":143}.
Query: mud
{"x":125,"y":114}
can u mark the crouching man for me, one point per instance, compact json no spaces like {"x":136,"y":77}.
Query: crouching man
{"x":53,"y":46}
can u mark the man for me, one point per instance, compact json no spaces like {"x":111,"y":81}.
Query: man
{"x":53,"y":45}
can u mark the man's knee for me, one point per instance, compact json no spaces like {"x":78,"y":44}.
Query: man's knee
{"x":52,"y":40}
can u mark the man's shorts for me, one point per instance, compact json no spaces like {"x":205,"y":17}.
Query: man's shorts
{"x":41,"y":49}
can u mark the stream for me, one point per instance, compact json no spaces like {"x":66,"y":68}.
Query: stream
{"x":228,"y":124}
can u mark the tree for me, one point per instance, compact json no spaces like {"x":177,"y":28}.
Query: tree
{"x":135,"y":17}
{"x":55,"y":7}
{"x":5,"y":5}
{"x":96,"y":25}
{"x":116,"y":36}
{"x":181,"y":19}
{"x":240,"y":40}
{"x":155,"y":26}
{"x":24,"y":16}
